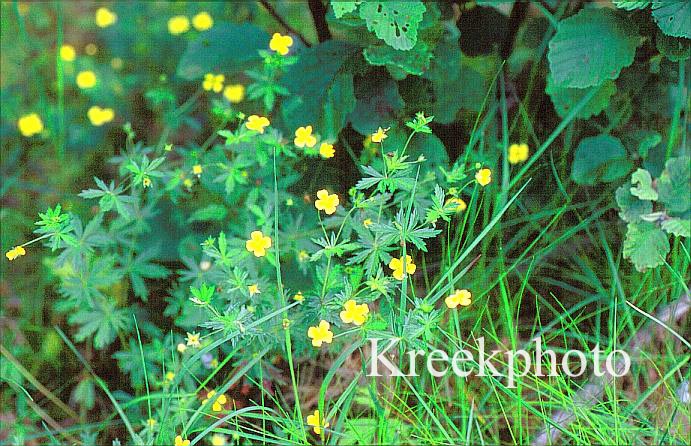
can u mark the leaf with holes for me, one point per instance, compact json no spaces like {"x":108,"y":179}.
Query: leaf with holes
{"x":673,"y":17}
{"x":591,"y":47}
{"x":395,"y":22}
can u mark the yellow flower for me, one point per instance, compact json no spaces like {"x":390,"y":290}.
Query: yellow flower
{"x":151,"y":422}
{"x":367,"y":223}
{"x":354,"y":313}
{"x":202,"y":21}
{"x":182,"y":347}
{"x":68,"y":53}
{"x":146,"y":182}
{"x":326,"y":150}
{"x":86,"y":79}
{"x":303,"y":256}
{"x":304,"y":137}
{"x":299,"y":297}
{"x":105,"y":17}
{"x":325,"y":202}
{"x":99,"y":116}
{"x":460,"y":204}
{"x":170,"y":376}
{"x":218,"y":403}
{"x":380,"y":135}
{"x":316,"y":422}
{"x":30,"y":125}
{"x":257,"y":123}
{"x":213,"y":82}
{"x":193,"y":340}
{"x":483,"y":177}
{"x":116,"y":63}
{"x":15,"y":252}
{"x":518,"y":153}
{"x":280,"y":43}
{"x":458,"y":297}
{"x":178,"y":24}
{"x":235,"y":93}
{"x":218,"y":440}
{"x":253,"y":289}
{"x":258,"y":243}
{"x":180,"y":442}
{"x":320,"y":334}
{"x":188,"y":183}
{"x":197,"y":169}
{"x":397,"y":266}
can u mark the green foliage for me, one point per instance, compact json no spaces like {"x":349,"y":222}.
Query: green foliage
{"x":599,"y":158}
{"x":673,"y":18}
{"x":395,"y":22}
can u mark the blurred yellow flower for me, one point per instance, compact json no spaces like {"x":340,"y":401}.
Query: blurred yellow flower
{"x":188,"y":183}
{"x":15,"y":252}
{"x":304,"y":137}
{"x":354,"y":313}
{"x":170,"y":376}
{"x":151,"y":422}
{"x":317,"y":422}
{"x":90,"y":49}
{"x":218,"y":403}
{"x":458,"y":297}
{"x":380,"y":135}
{"x":320,"y":334}
{"x":213,"y":82}
{"x":253,"y":289}
{"x":303,"y":256}
{"x":460,"y":204}
{"x":180,"y":442}
{"x":193,"y":340}
{"x":30,"y":125}
{"x":197,"y":169}
{"x":258,"y":243}
{"x":105,"y":17}
{"x":299,"y":297}
{"x":483,"y":177}
{"x":202,"y":21}
{"x":280,"y":43}
{"x":86,"y":79}
{"x":326,"y":150}
{"x":218,"y":440}
{"x":235,"y":93}
{"x":99,"y":116}
{"x":367,"y":223}
{"x":397,"y":266}
{"x":146,"y":182}
{"x":178,"y":24}
{"x":257,"y":123}
{"x":182,"y":347}
{"x":325,"y":202}
{"x":68,"y":53}
{"x":116,"y":63}
{"x":518,"y":153}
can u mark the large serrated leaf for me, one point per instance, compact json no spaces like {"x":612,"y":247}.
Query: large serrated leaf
{"x":631,"y":208}
{"x":565,"y":98}
{"x":415,"y":61}
{"x":591,"y":47}
{"x":226,"y":47}
{"x":599,"y":158}
{"x":630,"y":5}
{"x":645,"y":245}
{"x":680,"y":227}
{"x":643,"y":185}
{"x":673,"y":17}
{"x":674,"y":185}
{"x":395,"y":22}
{"x":342,"y":7}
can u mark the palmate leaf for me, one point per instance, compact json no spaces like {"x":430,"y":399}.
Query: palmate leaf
{"x":591,"y":47}
{"x":103,"y":322}
{"x":645,"y":245}
{"x":141,"y":268}
{"x":673,"y":17}
{"x":395,"y":22}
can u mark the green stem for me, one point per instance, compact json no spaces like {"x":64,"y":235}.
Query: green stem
{"x":60,"y":143}
{"x":677,"y":111}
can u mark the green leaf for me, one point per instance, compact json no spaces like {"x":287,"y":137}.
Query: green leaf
{"x":395,"y":22}
{"x":215,"y":212}
{"x":630,"y":5}
{"x":680,"y":227}
{"x":565,"y":98}
{"x":591,"y":47}
{"x":103,"y":322}
{"x":673,"y":48}
{"x":431,"y":147}
{"x":321,"y":85}
{"x":631,"y":208}
{"x":645,"y":245}
{"x":673,"y":17}
{"x":643,"y":185}
{"x":674,"y":184}
{"x":599,"y":158}
{"x":224,"y":48}
{"x":414,"y":61}
{"x":378,"y":103}
{"x":342,"y":7}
